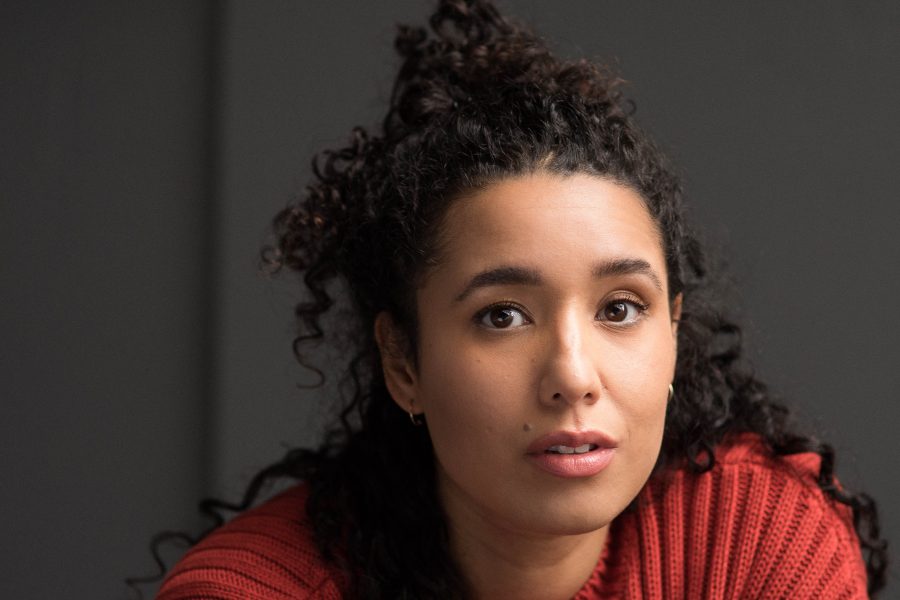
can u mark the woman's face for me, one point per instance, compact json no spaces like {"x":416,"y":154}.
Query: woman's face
{"x":544,"y":331}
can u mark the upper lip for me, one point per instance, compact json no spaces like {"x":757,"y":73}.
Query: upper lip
{"x":573,"y":439}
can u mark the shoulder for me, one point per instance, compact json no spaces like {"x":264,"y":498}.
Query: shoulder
{"x":755,"y":525}
{"x":266,"y":552}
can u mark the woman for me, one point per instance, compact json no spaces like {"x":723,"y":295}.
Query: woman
{"x":544,"y":401}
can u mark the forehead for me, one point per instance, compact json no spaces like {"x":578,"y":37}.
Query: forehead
{"x":544,"y":218}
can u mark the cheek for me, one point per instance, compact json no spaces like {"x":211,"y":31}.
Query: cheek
{"x":459,"y":389}
{"x":474,"y":400}
{"x":644,"y":376}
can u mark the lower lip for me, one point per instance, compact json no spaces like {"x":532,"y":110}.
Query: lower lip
{"x":574,"y":465}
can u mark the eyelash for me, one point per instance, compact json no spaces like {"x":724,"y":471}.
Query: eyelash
{"x":634,"y":301}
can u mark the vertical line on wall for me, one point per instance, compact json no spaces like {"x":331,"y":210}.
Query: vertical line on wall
{"x":211,"y":274}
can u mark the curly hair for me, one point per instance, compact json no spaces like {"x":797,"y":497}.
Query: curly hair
{"x":479,"y":98}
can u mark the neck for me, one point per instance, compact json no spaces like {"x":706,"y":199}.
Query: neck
{"x":500,"y":561}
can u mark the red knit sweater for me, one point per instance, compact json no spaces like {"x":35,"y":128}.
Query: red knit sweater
{"x":755,"y":526}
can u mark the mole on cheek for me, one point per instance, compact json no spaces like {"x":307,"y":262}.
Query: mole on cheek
{"x":526,"y":427}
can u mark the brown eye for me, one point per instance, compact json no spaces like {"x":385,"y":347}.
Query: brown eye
{"x":616,"y":311}
{"x":622,"y":312}
{"x":502,"y":317}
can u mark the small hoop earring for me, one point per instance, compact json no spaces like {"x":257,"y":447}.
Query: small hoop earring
{"x":671,"y":392}
{"x":416,"y":420}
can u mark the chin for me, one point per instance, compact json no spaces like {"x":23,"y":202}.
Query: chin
{"x":571,"y":518}
{"x":571,"y":524}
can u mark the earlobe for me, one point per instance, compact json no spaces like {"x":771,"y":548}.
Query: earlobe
{"x":399,"y":375}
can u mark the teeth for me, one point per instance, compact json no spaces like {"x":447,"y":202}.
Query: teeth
{"x":560,"y":449}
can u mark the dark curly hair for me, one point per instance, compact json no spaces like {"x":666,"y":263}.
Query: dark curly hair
{"x":479,"y":98}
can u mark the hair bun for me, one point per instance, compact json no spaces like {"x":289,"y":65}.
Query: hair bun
{"x":468,"y":22}
{"x":457,"y":25}
{"x":468,"y":47}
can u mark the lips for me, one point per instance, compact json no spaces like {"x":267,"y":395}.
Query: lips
{"x":570,"y":439}
{"x":571,"y":454}
{"x":560,"y":449}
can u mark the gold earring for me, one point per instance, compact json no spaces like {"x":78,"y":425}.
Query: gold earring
{"x":671,"y":392}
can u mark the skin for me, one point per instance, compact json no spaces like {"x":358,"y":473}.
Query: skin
{"x":505,"y":363}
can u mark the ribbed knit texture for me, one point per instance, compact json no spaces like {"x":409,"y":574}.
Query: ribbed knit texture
{"x":755,"y":526}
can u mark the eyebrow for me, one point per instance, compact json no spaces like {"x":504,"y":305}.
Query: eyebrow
{"x":506,"y":275}
{"x":626,"y":266}
{"x":513,"y":275}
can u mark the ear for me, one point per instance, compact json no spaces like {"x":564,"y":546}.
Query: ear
{"x":676,"y":312}
{"x":399,"y":374}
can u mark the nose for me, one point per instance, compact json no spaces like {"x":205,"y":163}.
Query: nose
{"x":570,"y":374}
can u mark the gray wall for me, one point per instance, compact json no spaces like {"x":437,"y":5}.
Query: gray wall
{"x":104,"y":228}
{"x":145,"y":147}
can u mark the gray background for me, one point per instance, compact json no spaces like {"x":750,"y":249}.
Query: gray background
{"x":144,"y":148}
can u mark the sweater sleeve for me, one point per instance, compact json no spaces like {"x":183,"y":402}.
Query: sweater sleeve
{"x":755,"y":526}
{"x":807,"y":547}
{"x":265,"y":553}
